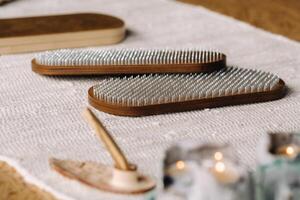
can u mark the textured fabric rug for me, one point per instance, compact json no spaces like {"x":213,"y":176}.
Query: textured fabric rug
{"x":40,"y":116}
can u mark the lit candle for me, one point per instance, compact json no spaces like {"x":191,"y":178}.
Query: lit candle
{"x":180,"y":165}
{"x":290,"y":151}
{"x":218,"y":156}
{"x":224,"y":170}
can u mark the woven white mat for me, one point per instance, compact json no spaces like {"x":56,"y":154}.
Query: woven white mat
{"x":40,"y":116}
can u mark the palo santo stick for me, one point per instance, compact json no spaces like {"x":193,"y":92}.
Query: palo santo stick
{"x":114,"y":150}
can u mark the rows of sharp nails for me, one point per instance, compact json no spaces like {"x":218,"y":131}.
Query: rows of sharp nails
{"x":68,"y":57}
{"x":158,"y":89}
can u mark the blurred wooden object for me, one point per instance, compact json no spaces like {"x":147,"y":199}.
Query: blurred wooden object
{"x":103,"y":177}
{"x":13,"y":187}
{"x":277,"y":16}
{"x":59,"y":31}
{"x":2,"y":2}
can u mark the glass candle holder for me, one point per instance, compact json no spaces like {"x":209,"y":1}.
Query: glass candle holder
{"x":205,"y":171}
{"x":278,"y":174}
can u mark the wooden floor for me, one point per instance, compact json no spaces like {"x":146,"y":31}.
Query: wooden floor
{"x":277,"y":16}
{"x":13,"y":187}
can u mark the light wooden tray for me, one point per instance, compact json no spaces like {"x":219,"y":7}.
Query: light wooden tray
{"x":59,"y":31}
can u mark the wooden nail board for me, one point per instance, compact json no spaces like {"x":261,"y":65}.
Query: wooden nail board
{"x":118,"y":109}
{"x":59,"y":31}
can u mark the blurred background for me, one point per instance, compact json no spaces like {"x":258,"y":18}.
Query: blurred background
{"x":277,"y":16}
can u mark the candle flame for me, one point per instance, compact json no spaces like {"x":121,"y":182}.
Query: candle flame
{"x":218,"y":156}
{"x":220,"y":167}
{"x":290,"y":150}
{"x":180,"y":165}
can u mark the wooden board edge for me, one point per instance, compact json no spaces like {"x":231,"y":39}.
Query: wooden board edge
{"x":61,"y":37}
{"x":90,"y":42}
